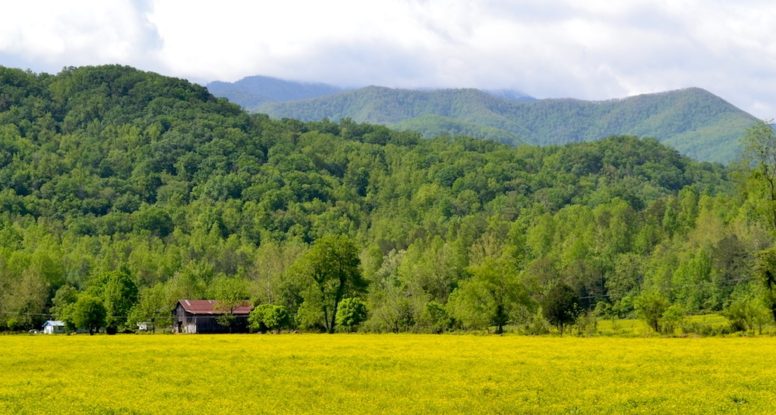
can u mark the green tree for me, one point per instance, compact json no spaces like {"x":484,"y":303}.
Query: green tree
{"x":490,"y":297}
{"x":120,"y":294}
{"x":269,"y":317}
{"x":765,"y":268}
{"x":672,"y":318}
{"x":63,"y":301}
{"x":748,"y":311}
{"x":625,"y":278}
{"x":89,"y":313}
{"x":27,"y":301}
{"x":561,"y":306}
{"x":332,"y":264}
{"x":437,"y":317}
{"x":153,"y":306}
{"x":155,"y":220}
{"x":760,"y":154}
{"x":351,"y":313}
{"x":651,"y":305}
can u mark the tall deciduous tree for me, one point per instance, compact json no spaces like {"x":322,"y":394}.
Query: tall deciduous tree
{"x":651,"y":305}
{"x":63,"y":302}
{"x":89,"y":313}
{"x":766,"y":271}
{"x":333,"y":266}
{"x":490,"y":297}
{"x":561,"y":306}
{"x":120,"y":294}
{"x":760,"y":154}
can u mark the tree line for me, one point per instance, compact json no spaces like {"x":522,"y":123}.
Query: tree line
{"x":123,"y":191}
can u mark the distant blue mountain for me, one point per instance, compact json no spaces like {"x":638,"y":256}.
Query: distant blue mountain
{"x":254,"y":91}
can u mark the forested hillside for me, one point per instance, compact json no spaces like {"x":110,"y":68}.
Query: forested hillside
{"x":131,"y":190}
{"x":693,"y":121}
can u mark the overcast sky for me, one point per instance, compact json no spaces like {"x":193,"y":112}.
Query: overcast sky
{"x":589,"y":49}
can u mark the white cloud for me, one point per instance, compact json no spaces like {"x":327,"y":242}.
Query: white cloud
{"x":593,"y":49}
{"x":57,"y":33}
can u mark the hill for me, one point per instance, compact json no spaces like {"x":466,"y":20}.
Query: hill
{"x":128,"y":190}
{"x":252,"y":91}
{"x":694,"y":121}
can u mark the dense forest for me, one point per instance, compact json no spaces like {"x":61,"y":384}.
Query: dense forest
{"x":693,"y":121}
{"x":125,"y":191}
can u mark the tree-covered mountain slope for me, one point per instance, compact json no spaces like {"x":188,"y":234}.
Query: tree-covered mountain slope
{"x":253,"y":91}
{"x":132,"y":190}
{"x":694,"y":121}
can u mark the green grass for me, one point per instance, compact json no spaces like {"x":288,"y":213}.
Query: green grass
{"x":385,"y":374}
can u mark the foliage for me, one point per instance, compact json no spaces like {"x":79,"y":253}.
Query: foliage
{"x":266,"y":317}
{"x":760,"y":155}
{"x":62,"y":308}
{"x":765,"y":269}
{"x":672,"y":318}
{"x":561,"y":306}
{"x":88,"y":313}
{"x":107,"y":170}
{"x":437,"y":317}
{"x":120,"y":294}
{"x":332,"y":266}
{"x":693,"y":121}
{"x":351,"y":313}
{"x":491,"y":296}
{"x":229,"y":293}
{"x":748,"y":311}
{"x":154,"y":306}
{"x":651,"y":306}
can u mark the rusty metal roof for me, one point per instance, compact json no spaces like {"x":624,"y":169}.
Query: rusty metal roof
{"x":210,"y":307}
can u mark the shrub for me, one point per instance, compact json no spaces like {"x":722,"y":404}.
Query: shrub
{"x":651,"y":305}
{"x":269,"y":317}
{"x":672,"y":318}
{"x":351,"y":313}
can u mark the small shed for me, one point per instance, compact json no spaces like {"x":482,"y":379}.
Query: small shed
{"x":53,"y":327}
{"x":206,"y":316}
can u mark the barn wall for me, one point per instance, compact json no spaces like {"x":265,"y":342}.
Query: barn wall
{"x":189,"y":323}
{"x":209,"y":324}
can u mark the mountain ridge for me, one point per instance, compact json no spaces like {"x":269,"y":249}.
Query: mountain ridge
{"x":252,"y":91}
{"x":112,"y":177}
{"x":692,"y":120}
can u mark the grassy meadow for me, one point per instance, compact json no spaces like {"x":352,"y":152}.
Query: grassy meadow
{"x":308,"y":373}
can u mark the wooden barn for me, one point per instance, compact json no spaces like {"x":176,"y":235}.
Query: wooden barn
{"x":205,"y":316}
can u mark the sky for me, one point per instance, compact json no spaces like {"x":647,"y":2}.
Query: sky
{"x":587,"y":49}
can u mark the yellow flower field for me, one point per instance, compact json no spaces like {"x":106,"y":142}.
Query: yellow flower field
{"x":373,"y":374}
